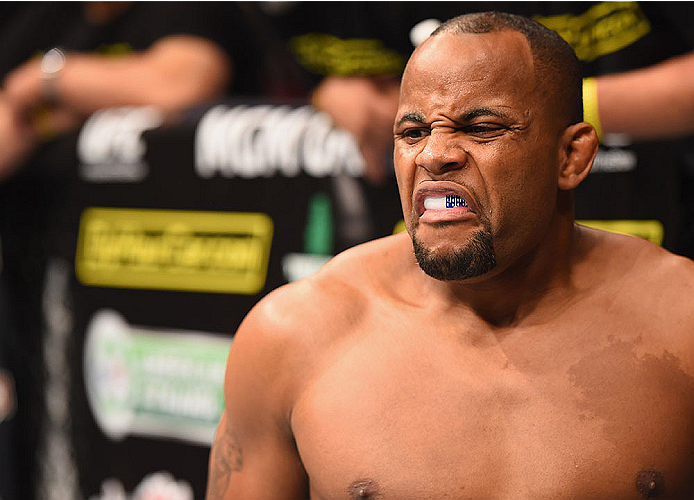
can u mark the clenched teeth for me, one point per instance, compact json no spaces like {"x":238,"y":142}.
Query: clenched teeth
{"x":444,"y":202}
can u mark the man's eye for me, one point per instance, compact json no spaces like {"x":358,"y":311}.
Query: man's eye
{"x":485,"y":129}
{"x":414,"y":134}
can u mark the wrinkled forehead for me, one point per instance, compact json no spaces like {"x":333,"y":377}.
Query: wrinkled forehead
{"x":498,"y":61}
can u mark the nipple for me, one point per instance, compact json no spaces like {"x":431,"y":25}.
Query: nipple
{"x":650,"y":483}
{"x":364,"y":488}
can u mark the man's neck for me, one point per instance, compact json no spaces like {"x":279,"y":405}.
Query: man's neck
{"x":540,"y":278}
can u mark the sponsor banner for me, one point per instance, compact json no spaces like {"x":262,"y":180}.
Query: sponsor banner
{"x":329,"y":55}
{"x":603,"y":29}
{"x":263,"y":141}
{"x":58,"y":471}
{"x":613,"y":160}
{"x":110,"y":147}
{"x":299,"y":265}
{"x":156,"y":486}
{"x":224,"y":252}
{"x":157,"y":383}
{"x":651,"y":230}
{"x":615,"y":155}
{"x":400,"y":227}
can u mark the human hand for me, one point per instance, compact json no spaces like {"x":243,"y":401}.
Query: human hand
{"x":18,"y":138}
{"x":23,"y":91}
{"x":22,"y":86}
{"x":366,"y":107}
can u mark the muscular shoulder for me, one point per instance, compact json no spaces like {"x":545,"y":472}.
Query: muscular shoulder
{"x":662,"y":284}
{"x":293,"y":326}
{"x":333,"y":298}
{"x":652,"y":287}
{"x":637,"y":265}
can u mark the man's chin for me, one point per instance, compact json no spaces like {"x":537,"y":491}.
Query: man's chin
{"x":475,"y":258}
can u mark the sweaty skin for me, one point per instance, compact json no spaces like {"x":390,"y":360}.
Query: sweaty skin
{"x":566,"y":372}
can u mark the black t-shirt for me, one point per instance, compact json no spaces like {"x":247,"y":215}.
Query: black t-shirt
{"x":31,"y":28}
{"x":324,"y":38}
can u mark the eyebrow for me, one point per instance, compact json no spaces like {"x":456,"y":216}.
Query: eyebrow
{"x":477,"y":112}
{"x":470,"y":115}
{"x":410,"y":117}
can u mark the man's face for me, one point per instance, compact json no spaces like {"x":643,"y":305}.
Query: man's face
{"x":476,"y":153}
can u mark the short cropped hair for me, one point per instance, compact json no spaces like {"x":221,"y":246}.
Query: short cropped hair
{"x":555,"y":62}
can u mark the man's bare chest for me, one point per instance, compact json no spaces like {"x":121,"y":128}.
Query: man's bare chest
{"x":391,"y":415}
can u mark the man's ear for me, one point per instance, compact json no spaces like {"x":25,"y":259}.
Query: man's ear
{"x":577,"y":150}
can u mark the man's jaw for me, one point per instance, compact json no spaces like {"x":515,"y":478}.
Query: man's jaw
{"x":474,"y":258}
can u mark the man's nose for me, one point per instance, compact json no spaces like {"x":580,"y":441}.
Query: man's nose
{"x":441,"y":153}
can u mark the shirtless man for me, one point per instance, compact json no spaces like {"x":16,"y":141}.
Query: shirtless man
{"x":513,"y":355}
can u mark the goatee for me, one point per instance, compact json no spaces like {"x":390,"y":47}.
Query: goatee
{"x":474,"y":259}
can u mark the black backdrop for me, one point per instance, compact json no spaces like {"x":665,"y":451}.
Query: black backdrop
{"x":40,"y":215}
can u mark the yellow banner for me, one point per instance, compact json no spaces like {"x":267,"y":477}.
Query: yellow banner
{"x":603,"y":29}
{"x":329,"y":55}
{"x":651,"y":230}
{"x":399,"y":227}
{"x":225,"y":252}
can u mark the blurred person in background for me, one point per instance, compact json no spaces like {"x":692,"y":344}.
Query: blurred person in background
{"x":98,"y":55}
{"x":62,"y":61}
{"x":352,"y":55}
{"x":346,"y":59}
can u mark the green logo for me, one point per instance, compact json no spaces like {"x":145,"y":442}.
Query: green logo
{"x":161,"y":383}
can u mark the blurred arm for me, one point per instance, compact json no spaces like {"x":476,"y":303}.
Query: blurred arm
{"x":649,"y":103}
{"x":176,"y":72}
{"x":18,"y":138}
{"x":366,"y":107}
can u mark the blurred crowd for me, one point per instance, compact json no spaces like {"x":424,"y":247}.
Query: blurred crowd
{"x":62,"y":61}
{"x":345,"y":58}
